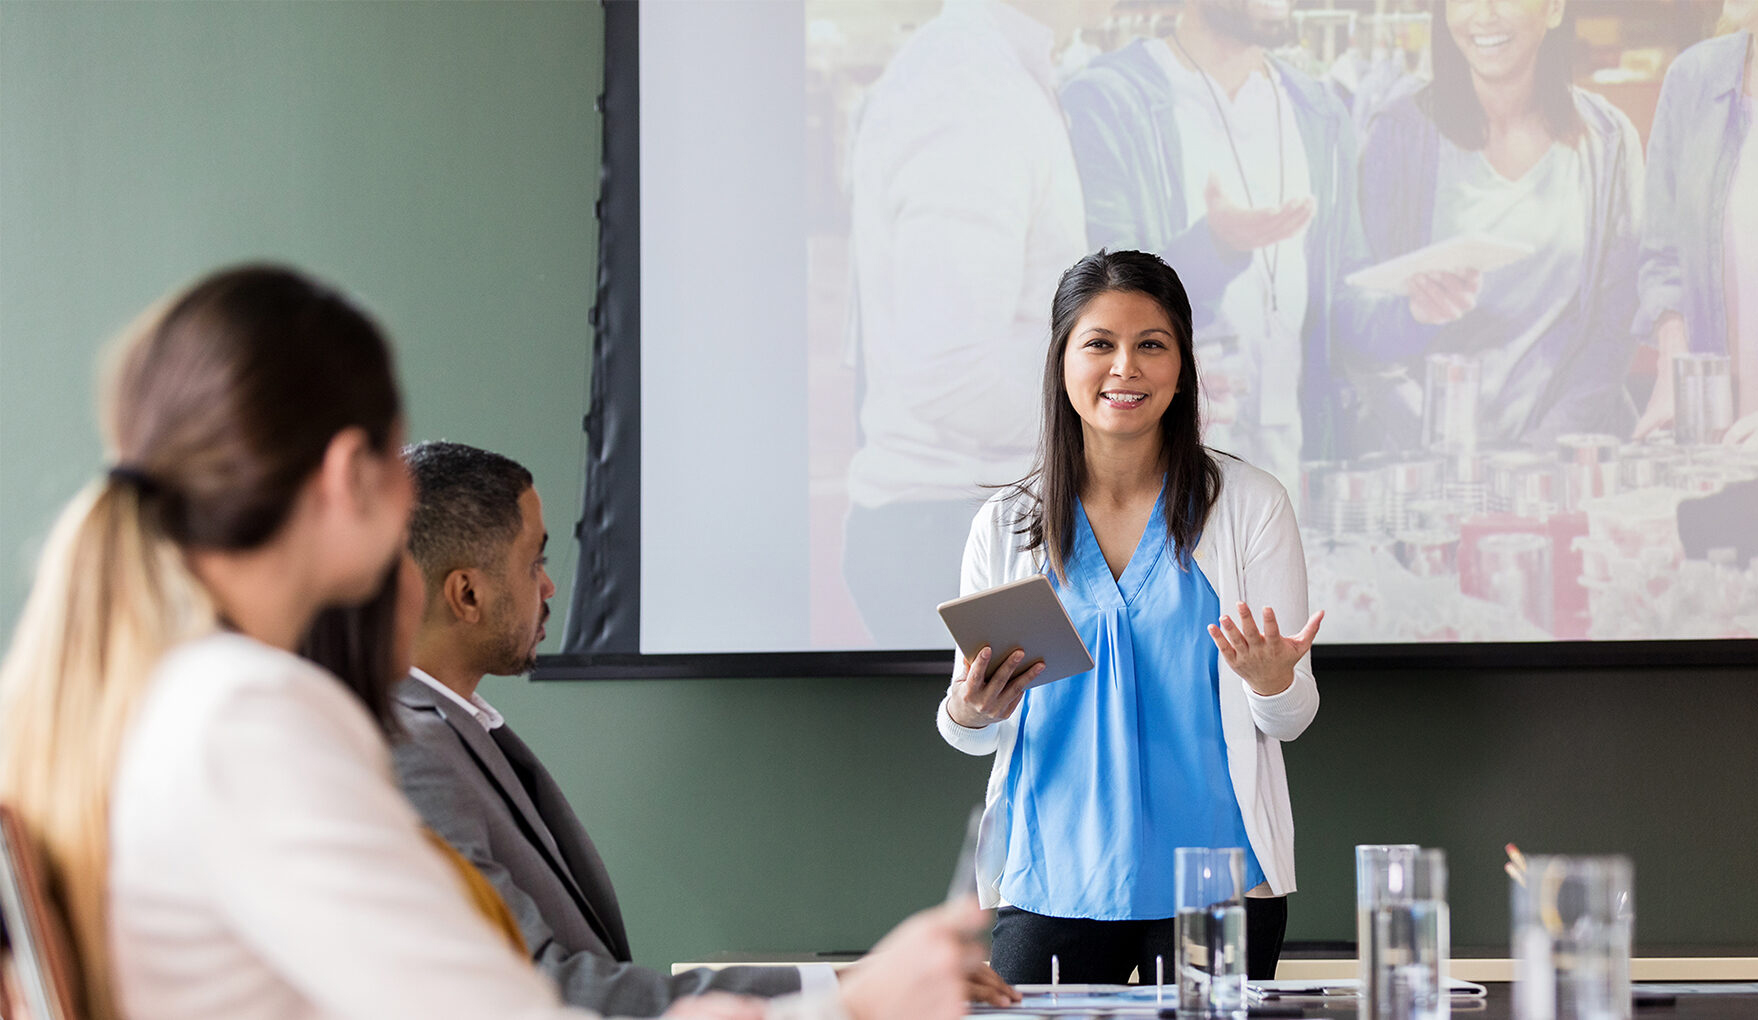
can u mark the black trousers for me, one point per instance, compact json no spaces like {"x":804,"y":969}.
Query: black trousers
{"x":1104,"y":952}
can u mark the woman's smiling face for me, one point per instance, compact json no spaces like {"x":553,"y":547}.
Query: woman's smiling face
{"x":1121,"y":365}
{"x":1501,"y":38}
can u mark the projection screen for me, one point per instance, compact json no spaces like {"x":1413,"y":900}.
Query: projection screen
{"x":832,"y":229}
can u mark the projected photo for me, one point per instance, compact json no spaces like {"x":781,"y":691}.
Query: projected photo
{"x":1477,"y":281}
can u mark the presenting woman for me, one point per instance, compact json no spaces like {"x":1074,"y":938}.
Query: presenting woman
{"x":222,"y":830}
{"x":1157,"y":547}
{"x":1502,"y":145}
{"x":1700,"y":233}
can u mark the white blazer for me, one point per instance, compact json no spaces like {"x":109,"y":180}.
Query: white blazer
{"x":264,"y":866}
{"x":1249,"y":552}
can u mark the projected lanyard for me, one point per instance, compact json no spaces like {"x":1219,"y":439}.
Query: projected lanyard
{"x":1273,"y":254}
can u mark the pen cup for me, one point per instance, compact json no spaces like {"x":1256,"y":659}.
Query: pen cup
{"x":1211,"y":931}
{"x":1404,"y":931}
{"x":1572,"y":924}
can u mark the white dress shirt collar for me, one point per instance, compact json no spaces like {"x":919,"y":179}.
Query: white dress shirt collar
{"x":480,"y":710}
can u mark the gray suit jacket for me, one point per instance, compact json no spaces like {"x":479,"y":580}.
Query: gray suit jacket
{"x":489,"y":796}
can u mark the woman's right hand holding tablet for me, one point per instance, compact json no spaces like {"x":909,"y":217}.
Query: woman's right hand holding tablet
{"x":983,"y":696}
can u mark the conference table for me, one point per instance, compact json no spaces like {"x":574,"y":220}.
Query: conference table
{"x":1497,"y":1005}
{"x":1668,"y":973}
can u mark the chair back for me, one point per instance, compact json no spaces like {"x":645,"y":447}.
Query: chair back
{"x":37,"y":966}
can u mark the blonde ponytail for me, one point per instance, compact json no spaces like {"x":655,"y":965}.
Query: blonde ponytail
{"x":222,"y":403}
{"x":112,"y":594}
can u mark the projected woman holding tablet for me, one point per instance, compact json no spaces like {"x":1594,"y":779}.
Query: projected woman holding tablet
{"x":1502,"y":147}
{"x":1177,"y":566}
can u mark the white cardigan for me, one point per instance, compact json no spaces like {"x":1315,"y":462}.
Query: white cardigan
{"x":1249,"y":551}
{"x":264,"y":865}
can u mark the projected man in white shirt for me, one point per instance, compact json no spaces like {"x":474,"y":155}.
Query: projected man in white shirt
{"x":966,"y":208}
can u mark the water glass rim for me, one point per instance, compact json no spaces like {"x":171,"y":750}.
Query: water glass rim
{"x":1408,"y":874}
{"x":1206,"y":876}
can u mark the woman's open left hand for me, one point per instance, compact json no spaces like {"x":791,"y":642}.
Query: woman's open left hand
{"x":1263,"y":657}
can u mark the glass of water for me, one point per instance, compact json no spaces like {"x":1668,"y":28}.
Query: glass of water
{"x":1404,"y":930}
{"x":1370,"y":859}
{"x":1703,"y":398}
{"x":1573,"y":920}
{"x":1211,"y":931}
{"x":1449,"y":402}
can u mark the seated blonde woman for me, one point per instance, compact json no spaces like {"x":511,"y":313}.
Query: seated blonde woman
{"x":217,"y":813}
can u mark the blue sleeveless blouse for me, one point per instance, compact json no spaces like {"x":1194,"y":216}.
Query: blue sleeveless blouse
{"x":1117,"y":767}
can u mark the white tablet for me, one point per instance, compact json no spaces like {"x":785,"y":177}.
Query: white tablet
{"x":1481,"y":252}
{"x":1025,"y":615}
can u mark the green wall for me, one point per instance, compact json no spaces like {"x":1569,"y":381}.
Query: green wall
{"x":440,"y":159}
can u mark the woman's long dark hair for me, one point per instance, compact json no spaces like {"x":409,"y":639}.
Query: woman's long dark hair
{"x":1451,"y":100}
{"x":357,"y":644}
{"x":1051,"y":490}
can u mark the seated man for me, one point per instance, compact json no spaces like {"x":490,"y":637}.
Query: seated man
{"x":477,"y":534}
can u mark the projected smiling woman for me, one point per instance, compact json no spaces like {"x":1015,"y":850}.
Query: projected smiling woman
{"x":1174,"y":739}
{"x":1502,"y":144}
